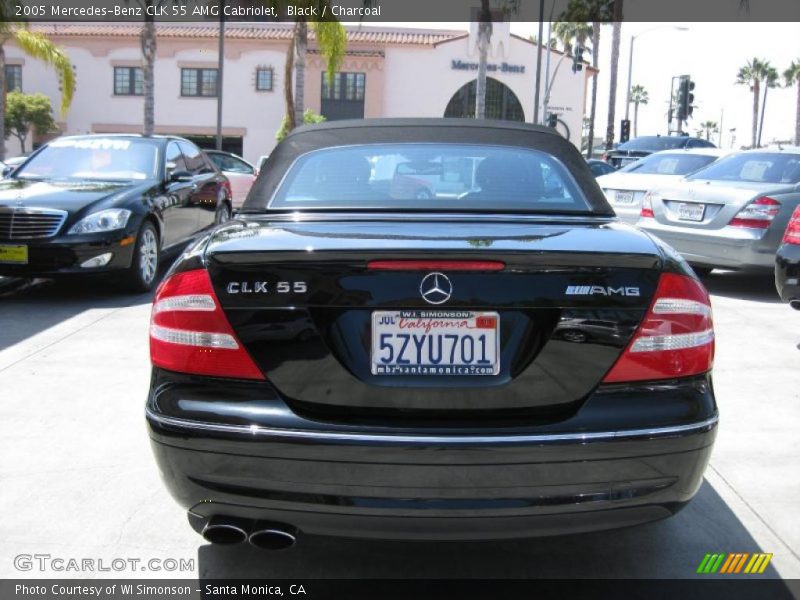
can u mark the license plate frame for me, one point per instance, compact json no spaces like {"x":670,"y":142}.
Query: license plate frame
{"x":427,"y":325}
{"x":691,"y":211}
{"x":14,"y":254}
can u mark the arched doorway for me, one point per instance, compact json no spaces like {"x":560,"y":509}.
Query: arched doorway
{"x":501,"y":102}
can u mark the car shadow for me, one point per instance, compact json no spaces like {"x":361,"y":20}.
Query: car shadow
{"x":667,"y":549}
{"x":30,"y":307}
{"x":757,"y":287}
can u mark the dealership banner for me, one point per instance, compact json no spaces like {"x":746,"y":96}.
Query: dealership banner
{"x":377,"y":11}
{"x":386,"y":589}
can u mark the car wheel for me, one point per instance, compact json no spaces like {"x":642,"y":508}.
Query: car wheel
{"x":424,"y":194}
{"x":223,"y":213}
{"x":144,"y":267}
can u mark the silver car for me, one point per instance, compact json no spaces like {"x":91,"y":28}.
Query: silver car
{"x":730,"y":214}
{"x":625,"y":188}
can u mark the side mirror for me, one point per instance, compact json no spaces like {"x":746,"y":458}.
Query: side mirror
{"x":7,"y":171}
{"x":180,"y":176}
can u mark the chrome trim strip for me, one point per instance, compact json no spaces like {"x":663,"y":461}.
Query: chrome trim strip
{"x":332,"y":436}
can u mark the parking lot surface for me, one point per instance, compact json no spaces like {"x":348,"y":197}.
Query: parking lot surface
{"x":77,"y":479}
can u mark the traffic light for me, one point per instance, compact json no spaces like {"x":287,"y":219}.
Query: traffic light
{"x":577,"y":59}
{"x":552,"y":120}
{"x":625,"y":130}
{"x":685,"y":98}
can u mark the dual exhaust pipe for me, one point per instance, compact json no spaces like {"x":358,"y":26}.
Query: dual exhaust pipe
{"x":266,"y":535}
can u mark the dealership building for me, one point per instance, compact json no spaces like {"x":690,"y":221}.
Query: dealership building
{"x":387,"y":72}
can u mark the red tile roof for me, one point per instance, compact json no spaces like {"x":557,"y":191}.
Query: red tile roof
{"x":248,"y":31}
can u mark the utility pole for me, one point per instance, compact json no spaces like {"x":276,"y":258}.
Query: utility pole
{"x":538,"y":64}
{"x":220,"y":66}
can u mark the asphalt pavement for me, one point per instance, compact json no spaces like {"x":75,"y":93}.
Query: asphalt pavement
{"x":77,"y":479}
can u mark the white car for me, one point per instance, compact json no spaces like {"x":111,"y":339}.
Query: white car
{"x":626,"y":188}
{"x":239,"y":172}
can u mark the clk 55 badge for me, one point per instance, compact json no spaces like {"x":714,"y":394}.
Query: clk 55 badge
{"x":263,"y":287}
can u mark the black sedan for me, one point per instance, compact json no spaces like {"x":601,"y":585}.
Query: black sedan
{"x":632,"y":150}
{"x":107,"y":204}
{"x":349,"y":359}
{"x":787,"y":263}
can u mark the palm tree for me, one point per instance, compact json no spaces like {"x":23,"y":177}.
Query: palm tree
{"x":752,"y":74}
{"x":39,"y":47}
{"x":597,"y":12}
{"x":612,"y":86}
{"x":771,"y":78}
{"x":484,"y":39}
{"x":484,"y":35}
{"x":709,"y":127}
{"x":572,"y":34}
{"x":638,"y":96}
{"x":331,"y":39}
{"x":791,"y":76}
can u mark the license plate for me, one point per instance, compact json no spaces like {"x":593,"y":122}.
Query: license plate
{"x":13,"y":254}
{"x":435,"y":342}
{"x":623,"y":197}
{"x":691,"y":211}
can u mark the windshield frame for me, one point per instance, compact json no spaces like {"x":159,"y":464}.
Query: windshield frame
{"x":567,"y":175}
{"x":155,"y":143}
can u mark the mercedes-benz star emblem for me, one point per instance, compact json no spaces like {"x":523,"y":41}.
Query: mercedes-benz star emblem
{"x":436,"y":288}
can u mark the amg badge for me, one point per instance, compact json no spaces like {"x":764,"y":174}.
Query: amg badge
{"x":600,"y":290}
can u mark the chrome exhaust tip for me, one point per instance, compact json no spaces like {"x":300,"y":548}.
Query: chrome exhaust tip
{"x":224,"y":530}
{"x":273,"y":536}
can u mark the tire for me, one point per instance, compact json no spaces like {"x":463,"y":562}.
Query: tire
{"x":223,"y":213}
{"x":424,"y":194}
{"x":142,"y":273}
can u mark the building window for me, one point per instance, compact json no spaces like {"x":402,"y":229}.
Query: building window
{"x":263,"y":80}
{"x":199,"y":82}
{"x":13,"y":78}
{"x":128,"y":81}
{"x":343,"y":98}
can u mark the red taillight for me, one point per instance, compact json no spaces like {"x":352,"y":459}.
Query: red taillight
{"x":792,"y":233}
{"x":189,"y":333}
{"x":676,"y":337}
{"x":758,"y":214}
{"x":436,"y":265}
{"x":647,"y":207}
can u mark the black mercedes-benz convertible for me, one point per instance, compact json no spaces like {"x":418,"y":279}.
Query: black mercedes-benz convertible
{"x":497,"y":358}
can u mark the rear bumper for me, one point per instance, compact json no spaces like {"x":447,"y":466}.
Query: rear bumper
{"x":726,"y":248}
{"x":604,"y":467}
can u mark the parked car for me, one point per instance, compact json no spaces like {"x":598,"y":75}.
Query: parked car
{"x":599,"y":167}
{"x":340,"y":360}
{"x":787,"y":263}
{"x":239,"y":172}
{"x":642,"y":146}
{"x":626,"y":187}
{"x":730,"y":214}
{"x":107,"y":204}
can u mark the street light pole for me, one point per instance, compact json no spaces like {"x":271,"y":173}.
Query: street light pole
{"x":630,"y":62}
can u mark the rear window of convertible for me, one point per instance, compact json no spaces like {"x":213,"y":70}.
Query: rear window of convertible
{"x":430,"y":177}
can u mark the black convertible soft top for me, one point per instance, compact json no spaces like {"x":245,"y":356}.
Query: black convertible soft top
{"x":330,"y":134}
